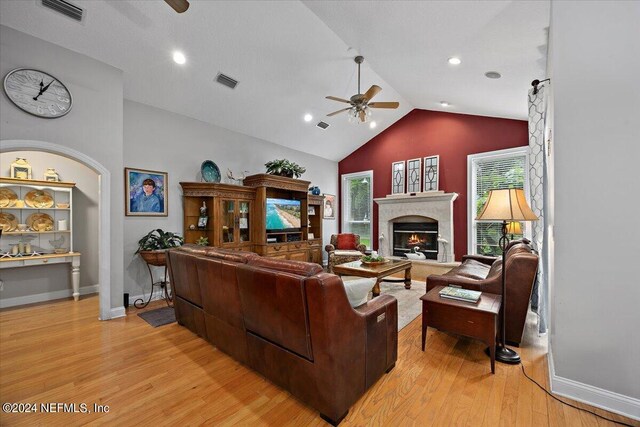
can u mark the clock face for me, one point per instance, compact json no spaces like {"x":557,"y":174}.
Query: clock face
{"x":37,"y":93}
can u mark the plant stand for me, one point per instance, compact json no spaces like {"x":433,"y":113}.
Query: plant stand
{"x":157,"y":259}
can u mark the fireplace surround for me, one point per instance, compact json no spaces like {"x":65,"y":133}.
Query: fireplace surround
{"x":433,"y":206}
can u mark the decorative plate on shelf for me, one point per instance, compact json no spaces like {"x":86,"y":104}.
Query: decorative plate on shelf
{"x":7,"y":198}
{"x":38,"y":199}
{"x":8,"y":222}
{"x":40,"y":222}
{"x":210,"y":171}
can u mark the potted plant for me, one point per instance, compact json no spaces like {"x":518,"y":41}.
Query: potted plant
{"x":284,"y":167}
{"x":153,"y":246}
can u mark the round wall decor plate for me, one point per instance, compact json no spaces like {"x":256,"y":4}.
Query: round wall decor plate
{"x":40,"y":222}
{"x":38,"y":199}
{"x":7,"y":197}
{"x":210,"y":171}
{"x":8,"y":222}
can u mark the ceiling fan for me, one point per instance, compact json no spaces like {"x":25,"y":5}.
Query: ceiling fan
{"x":178,"y":5}
{"x":360,"y":105}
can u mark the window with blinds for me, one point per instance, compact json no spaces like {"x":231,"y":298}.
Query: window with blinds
{"x":494,"y":171}
{"x":357,"y":205}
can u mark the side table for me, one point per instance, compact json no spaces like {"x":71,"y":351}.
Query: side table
{"x":479,"y":320}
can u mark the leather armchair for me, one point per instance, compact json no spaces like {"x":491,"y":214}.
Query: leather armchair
{"x":340,"y":256}
{"x":484,"y":273}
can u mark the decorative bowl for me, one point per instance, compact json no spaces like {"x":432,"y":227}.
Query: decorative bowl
{"x":62,"y":205}
{"x":373,"y":263}
{"x":210,"y":171}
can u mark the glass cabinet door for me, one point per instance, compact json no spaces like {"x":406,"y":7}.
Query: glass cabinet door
{"x":244,"y":224}
{"x":228,"y":221}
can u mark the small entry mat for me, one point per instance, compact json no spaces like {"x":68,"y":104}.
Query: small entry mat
{"x":159,"y":316}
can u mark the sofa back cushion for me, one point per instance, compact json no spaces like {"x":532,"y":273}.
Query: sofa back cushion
{"x":295,"y":267}
{"x":218,"y":253}
{"x":185,"y":276}
{"x":219,"y":289}
{"x":346,"y":241}
{"x":275,"y":307}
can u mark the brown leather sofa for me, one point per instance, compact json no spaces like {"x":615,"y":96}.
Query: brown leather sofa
{"x":289,"y":321}
{"x":484,"y":273}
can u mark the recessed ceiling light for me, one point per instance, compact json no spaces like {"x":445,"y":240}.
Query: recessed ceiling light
{"x":454,"y":61}
{"x":444,"y":103}
{"x":308,"y":117}
{"x":373,"y":125}
{"x":178,"y":57}
{"x":493,"y":74}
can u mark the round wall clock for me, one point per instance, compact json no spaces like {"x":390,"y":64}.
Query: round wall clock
{"x":37,"y":93}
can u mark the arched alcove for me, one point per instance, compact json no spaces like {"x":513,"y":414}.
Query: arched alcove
{"x":104,"y":220}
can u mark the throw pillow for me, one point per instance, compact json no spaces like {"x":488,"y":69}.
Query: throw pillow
{"x":346,"y":241}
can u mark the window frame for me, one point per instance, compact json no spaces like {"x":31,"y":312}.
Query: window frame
{"x":344,"y":193}
{"x":472,"y":161}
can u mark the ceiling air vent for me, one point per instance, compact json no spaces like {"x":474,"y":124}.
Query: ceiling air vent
{"x":323,"y":125}
{"x":226,"y":80}
{"x":64,"y":7}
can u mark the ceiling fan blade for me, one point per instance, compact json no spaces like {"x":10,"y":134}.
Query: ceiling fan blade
{"x":335,"y":98}
{"x":339,"y":111}
{"x":362,"y":116}
{"x":384,"y":104}
{"x":373,"y":91}
{"x":178,"y":5}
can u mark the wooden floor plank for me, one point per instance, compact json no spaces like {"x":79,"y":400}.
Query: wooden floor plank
{"x":60,"y":352}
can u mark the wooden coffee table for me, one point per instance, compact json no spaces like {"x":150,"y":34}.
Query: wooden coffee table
{"x":479,"y":321}
{"x":356,"y":268}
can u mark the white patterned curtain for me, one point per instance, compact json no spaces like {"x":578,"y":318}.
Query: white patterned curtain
{"x":538,"y":172}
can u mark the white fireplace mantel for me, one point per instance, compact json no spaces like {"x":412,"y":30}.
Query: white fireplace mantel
{"x":435,"y":204}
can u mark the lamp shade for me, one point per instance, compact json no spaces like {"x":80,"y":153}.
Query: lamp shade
{"x":506,"y":205}
{"x":514,"y":228}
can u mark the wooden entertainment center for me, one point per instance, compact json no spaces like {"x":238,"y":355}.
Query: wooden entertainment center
{"x":237,"y":217}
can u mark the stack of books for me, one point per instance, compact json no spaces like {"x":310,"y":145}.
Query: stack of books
{"x":454,"y":292}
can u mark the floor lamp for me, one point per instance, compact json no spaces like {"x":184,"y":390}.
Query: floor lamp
{"x":507,"y":205}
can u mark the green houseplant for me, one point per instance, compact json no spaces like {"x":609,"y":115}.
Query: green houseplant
{"x":152,"y":247}
{"x":284,"y":167}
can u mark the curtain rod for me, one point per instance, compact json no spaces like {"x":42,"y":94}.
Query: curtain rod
{"x":535,"y":84}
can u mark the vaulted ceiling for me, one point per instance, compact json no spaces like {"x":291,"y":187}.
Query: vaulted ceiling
{"x":288,"y":56}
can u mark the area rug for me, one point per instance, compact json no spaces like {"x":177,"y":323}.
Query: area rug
{"x":409,"y":304}
{"x":159,"y":316}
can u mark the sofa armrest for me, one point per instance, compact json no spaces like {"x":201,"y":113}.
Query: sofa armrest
{"x":329,"y":248}
{"x":492,"y":285}
{"x":481,"y":258}
{"x":381,"y":319}
{"x":372,"y":306}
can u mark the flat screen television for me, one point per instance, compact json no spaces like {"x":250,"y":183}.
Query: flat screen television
{"x":283,"y":215}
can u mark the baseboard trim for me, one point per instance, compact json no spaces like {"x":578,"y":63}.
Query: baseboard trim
{"x":117,"y":312}
{"x":594,"y":396}
{"x":46,"y":296}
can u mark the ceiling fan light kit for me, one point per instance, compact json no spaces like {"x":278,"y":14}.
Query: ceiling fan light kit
{"x":360,"y":109}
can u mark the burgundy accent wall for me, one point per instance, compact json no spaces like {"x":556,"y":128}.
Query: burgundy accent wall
{"x":425,"y":133}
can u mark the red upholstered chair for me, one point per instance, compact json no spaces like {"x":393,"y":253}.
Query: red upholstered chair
{"x":343,"y":248}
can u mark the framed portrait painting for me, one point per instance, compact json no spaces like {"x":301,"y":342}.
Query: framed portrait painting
{"x":146,"y":192}
{"x":329,"y":206}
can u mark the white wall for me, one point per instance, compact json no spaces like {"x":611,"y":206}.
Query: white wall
{"x":159,"y":140}
{"x":595,"y":338}
{"x":20,"y":282}
{"x":93,"y":127}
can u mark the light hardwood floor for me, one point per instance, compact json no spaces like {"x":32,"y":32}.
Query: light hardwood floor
{"x":60,"y":352}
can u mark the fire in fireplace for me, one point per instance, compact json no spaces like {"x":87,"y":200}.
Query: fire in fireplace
{"x":416,"y":236}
